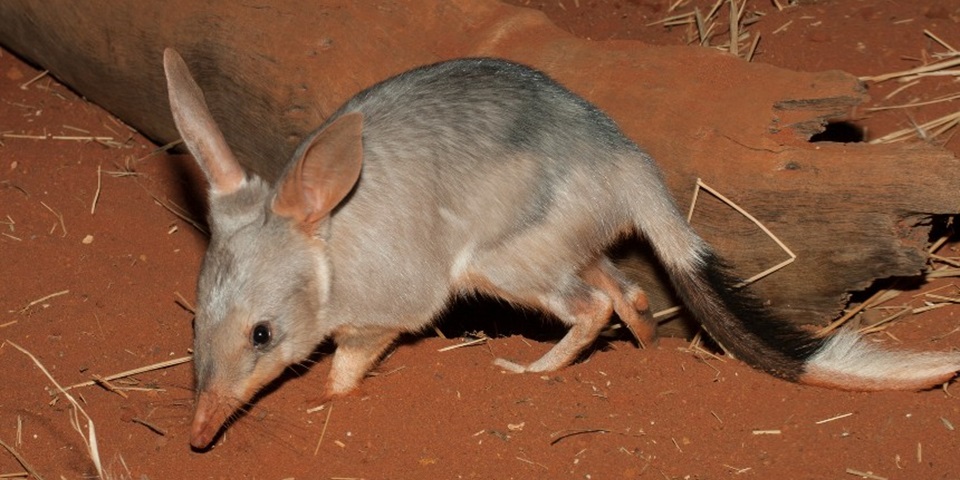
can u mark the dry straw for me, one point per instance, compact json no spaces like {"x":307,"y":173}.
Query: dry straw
{"x":705,"y":24}
{"x":90,"y":439}
{"x":791,"y":257}
{"x":323,"y":431}
{"x":470,"y":343}
{"x":34,"y":79}
{"x":945,"y":66}
{"x":96,"y":194}
{"x":866,"y":475}
{"x":129,"y":373}
{"x":42,"y":299}
{"x":23,"y":463}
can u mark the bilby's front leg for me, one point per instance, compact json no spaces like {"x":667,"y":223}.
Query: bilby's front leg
{"x":358,"y":349}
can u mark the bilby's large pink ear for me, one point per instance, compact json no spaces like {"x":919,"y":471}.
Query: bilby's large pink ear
{"x":198,"y":129}
{"x":327,"y":169}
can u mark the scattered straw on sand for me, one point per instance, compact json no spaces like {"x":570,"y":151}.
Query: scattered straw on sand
{"x":703,"y":26}
{"x":90,"y":438}
{"x":944,"y":64}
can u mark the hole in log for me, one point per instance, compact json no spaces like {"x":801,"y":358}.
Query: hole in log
{"x":944,"y":226}
{"x":839,"y":132}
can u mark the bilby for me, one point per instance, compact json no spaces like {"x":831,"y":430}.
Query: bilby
{"x":471,"y":175}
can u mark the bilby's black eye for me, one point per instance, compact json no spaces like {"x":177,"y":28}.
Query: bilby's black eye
{"x":261,"y":335}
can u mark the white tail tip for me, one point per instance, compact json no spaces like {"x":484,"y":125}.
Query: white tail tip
{"x":847,"y":362}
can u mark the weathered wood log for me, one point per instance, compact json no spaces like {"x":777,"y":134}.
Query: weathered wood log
{"x":852,"y":213}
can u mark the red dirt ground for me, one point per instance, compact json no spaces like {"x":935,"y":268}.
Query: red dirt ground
{"x":95,"y":293}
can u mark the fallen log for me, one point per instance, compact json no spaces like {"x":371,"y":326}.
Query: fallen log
{"x":852,"y":213}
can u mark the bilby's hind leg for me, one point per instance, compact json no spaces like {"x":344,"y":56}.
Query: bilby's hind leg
{"x":586,"y":309}
{"x":357,"y":350}
{"x":629,"y":300}
{"x":541,"y":270}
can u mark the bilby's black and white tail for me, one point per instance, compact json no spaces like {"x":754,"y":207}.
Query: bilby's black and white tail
{"x":844,"y":360}
{"x":738,"y":322}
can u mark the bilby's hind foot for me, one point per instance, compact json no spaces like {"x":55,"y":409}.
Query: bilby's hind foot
{"x":587,"y":311}
{"x":638,"y":319}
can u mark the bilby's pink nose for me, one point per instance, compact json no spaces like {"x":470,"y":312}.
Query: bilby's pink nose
{"x":209,"y":416}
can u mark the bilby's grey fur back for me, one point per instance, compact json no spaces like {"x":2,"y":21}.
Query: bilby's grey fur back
{"x":483,"y":154}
